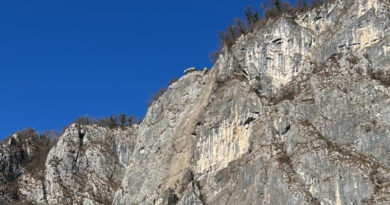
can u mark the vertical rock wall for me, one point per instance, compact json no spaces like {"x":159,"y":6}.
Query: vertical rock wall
{"x":297,"y":112}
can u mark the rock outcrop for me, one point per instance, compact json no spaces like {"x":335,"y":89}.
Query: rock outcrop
{"x":296,"y":112}
{"x":22,"y":167}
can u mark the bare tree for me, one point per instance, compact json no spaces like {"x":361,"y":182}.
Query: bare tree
{"x":301,"y":4}
{"x":123,"y":120}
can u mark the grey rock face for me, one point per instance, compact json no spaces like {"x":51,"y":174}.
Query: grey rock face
{"x":87,"y":164}
{"x":17,"y":153}
{"x":297,"y":112}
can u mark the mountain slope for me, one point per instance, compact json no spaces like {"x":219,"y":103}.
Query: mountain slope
{"x":296,"y":112}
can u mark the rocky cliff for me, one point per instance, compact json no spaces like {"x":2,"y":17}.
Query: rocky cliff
{"x":296,"y":112}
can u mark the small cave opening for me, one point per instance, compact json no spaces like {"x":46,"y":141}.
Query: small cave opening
{"x":81,"y":138}
{"x":249,"y":120}
{"x":286,"y":129}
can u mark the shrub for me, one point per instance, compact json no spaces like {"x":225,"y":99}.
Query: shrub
{"x":240,"y":27}
{"x":110,"y":122}
{"x":27,"y":153}
{"x":275,"y":9}
{"x":155,"y":96}
{"x":131,"y":120}
{"x":252,"y":17}
{"x":214,"y":55}
{"x":173,"y":80}
{"x":353,"y":60}
{"x":83,"y":120}
{"x":123,"y":120}
{"x":197,"y":183}
{"x":301,"y":4}
{"x":271,"y":10}
{"x":43,"y":143}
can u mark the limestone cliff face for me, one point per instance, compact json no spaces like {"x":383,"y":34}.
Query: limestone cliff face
{"x":297,"y":112}
{"x":15,"y":153}
{"x":87,"y":164}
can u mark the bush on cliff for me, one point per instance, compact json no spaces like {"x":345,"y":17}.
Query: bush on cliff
{"x":270,"y":10}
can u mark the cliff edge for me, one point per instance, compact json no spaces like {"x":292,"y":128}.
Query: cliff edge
{"x":295,"y":112}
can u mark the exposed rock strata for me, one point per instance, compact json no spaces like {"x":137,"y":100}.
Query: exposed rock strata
{"x":297,"y":112}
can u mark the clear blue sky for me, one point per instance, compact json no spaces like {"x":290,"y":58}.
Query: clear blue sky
{"x":67,"y":58}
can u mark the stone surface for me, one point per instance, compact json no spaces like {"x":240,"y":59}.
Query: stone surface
{"x":189,"y":70}
{"x":297,"y":112}
{"x":87,"y":164}
{"x":16,"y":153}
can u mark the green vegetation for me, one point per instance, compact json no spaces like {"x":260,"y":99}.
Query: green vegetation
{"x":197,"y":183}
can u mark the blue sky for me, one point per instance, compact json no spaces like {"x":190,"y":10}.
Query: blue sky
{"x":67,"y":58}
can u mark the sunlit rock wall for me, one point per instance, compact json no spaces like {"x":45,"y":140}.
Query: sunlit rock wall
{"x":225,"y":144}
{"x":296,"y":112}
